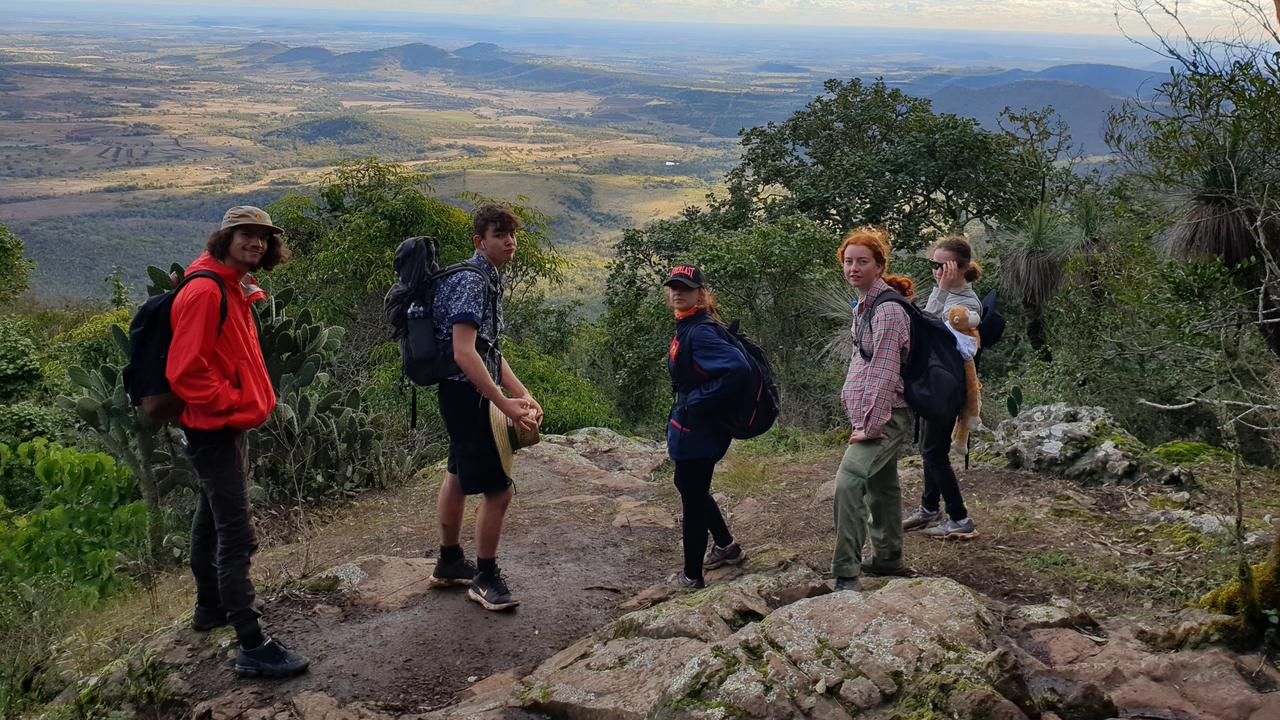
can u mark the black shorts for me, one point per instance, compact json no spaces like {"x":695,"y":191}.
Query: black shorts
{"x":473,"y":456}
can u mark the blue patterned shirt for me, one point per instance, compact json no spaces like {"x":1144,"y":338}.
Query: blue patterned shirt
{"x":467,"y":297}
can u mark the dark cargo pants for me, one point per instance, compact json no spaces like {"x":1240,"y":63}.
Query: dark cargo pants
{"x":222,"y":535}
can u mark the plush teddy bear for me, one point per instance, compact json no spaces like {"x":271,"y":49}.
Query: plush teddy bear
{"x":963,"y":323}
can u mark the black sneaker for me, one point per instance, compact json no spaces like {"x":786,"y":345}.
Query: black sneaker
{"x":458,"y":572}
{"x":491,"y":591}
{"x":721,"y":556}
{"x":204,"y":619}
{"x":270,"y":659}
{"x":872,"y":566}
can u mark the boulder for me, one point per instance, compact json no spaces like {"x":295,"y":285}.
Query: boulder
{"x":1080,"y":443}
{"x":711,"y":651}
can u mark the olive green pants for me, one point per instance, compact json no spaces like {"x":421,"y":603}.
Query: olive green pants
{"x":867,"y":482}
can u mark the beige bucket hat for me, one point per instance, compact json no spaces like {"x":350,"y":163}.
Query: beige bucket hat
{"x":508,"y":437}
{"x":248,"y":215}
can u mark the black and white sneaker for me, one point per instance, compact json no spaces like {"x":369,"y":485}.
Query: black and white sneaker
{"x":270,"y":659}
{"x":491,"y":591}
{"x":459,"y":572}
{"x":721,"y":556}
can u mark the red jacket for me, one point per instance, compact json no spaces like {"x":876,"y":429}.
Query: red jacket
{"x":222,"y":378}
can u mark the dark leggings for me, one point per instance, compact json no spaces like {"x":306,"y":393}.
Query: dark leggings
{"x":939,"y":478}
{"x":701,"y":514}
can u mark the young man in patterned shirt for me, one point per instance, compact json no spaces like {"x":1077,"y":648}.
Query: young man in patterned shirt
{"x":468,"y":316}
{"x":867,"y":479}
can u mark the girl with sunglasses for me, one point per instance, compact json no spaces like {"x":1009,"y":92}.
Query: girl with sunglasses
{"x":954,"y":271}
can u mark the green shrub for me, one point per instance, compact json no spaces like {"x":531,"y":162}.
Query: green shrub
{"x":568,"y":401}
{"x":87,"y":345}
{"x":25,"y":421}
{"x":19,"y":369}
{"x":86,"y":516}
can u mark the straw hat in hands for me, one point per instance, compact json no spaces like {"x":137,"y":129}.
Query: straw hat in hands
{"x":510,"y":437}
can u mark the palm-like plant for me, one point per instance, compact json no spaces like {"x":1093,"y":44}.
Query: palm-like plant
{"x":1034,"y":250}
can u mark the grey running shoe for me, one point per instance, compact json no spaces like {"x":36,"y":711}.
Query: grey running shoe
{"x":952,"y":530}
{"x":270,"y":659}
{"x":721,"y":556}
{"x":459,"y":572}
{"x":491,"y":591}
{"x":921,"y":518}
{"x":680,"y":582}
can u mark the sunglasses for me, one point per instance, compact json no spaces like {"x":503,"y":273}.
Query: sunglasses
{"x":937,"y":265}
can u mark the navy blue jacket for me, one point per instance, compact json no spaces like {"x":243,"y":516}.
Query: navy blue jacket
{"x":704,"y":383}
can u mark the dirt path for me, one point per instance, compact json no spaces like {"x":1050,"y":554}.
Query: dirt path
{"x":593,"y":524}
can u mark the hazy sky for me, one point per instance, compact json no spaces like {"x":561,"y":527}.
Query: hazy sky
{"x":1067,"y":16}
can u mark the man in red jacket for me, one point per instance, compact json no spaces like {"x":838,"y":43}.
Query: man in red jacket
{"x":215,"y":365}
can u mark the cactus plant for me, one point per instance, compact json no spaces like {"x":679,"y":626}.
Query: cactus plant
{"x":318,"y":442}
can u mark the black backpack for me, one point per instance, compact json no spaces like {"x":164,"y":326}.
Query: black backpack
{"x":933,"y":374}
{"x":150,"y":335}
{"x":755,"y":411}
{"x":409,"y":307}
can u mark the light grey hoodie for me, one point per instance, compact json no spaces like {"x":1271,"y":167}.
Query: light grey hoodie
{"x":940,"y":300}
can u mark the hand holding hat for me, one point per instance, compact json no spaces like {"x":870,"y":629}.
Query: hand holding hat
{"x":510,"y":433}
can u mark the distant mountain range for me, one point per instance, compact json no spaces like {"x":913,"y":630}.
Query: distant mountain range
{"x":1081,"y":93}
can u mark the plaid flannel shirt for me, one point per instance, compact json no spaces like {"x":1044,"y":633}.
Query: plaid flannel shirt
{"x":873,"y":388}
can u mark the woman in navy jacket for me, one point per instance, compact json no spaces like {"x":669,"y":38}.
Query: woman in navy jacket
{"x":707,"y":371}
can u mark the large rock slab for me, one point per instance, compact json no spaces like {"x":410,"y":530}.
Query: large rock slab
{"x":774,"y":646}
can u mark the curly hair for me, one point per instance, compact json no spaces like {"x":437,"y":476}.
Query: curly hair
{"x":219,"y":245}
{"x":877,"y":240}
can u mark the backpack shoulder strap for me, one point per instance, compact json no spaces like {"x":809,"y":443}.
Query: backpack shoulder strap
{"x":493,"y":292}
{"x":222,"y":287}
{"x":890,"y":296}
{"x":684,"y":353}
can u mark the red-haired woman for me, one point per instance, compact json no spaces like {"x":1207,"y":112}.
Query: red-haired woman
{"x":867,"y":479}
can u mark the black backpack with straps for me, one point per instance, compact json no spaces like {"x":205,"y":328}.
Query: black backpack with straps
{"x":933,"y":375}
{"x":755,"y":410}
{"x":150,"y":334}
{"x":409,"y":307}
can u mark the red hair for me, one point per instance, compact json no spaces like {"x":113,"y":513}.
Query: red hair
{"x":877,"y":241}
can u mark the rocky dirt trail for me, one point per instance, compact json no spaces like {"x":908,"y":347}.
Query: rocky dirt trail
{"x":1067,"y":586}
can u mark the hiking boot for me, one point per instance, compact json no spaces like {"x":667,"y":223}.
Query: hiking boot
{"x":270,"y":659}
{"x":680,"y":581}
{"x":952,"y":530}
{"x":458,"y":572}
{"x":921,"y":518}
{"x":873,"y":566}
{"x":491,"y":591}
{"x":204,"y":619}
{"x":845,"y":583}
{"x":721,"y":556}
